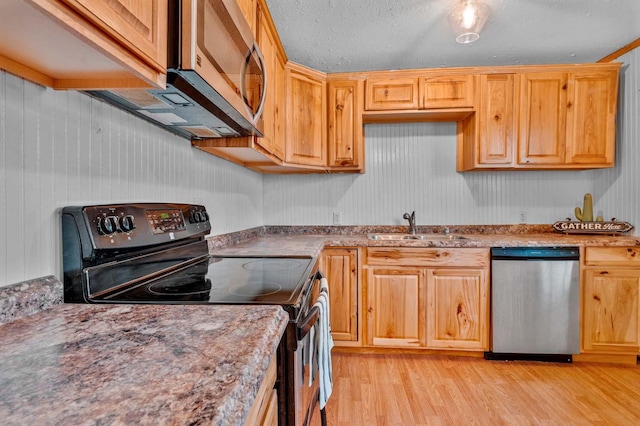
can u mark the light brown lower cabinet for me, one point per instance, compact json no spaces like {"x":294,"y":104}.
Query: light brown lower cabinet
{"x":264,"y":411}
{"x":340,"y":266}
{"x":457,"y":309}
{"x":396,"y":307}
{"x":611,"y":301}
{"x":427,"y":298}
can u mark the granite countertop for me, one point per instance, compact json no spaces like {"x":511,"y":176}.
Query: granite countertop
{"x":136,"y":364}
{"x":287,"y":241}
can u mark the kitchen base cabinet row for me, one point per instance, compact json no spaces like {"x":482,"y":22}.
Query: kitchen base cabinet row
{"x":611,"y":303}
{"x":409,"y":298}
{"x":439,"y":299}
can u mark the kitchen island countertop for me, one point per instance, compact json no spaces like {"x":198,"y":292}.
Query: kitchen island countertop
{"x":136,"y":364}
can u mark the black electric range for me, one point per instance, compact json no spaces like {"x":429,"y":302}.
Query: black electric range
{"x":156,"y":253}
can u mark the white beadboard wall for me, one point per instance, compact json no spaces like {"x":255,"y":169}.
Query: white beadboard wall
{"x":65,"y":148}
{"x":62,"y":148}
{"x":412,"y":167}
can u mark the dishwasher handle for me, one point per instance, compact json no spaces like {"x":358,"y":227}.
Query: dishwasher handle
{"x":535,"y":253}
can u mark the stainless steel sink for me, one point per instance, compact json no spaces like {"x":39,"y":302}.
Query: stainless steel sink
{"x":399,"y":237}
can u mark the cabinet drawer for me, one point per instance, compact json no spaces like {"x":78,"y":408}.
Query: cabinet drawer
{"x":399,"y":93}
{"x":447,"y":91}
{"x":434,"y":257}
{"x":613,"y":256}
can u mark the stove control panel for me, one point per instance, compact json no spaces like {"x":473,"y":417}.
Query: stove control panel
{"x":137,"y":225}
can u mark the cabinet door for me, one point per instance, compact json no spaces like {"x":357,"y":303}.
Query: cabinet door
{"x":141,"y":25}
{"x":391,"y":94}
{"x":340,"y":266}
{"x":454,"y":91}
{"x":306,"y":110}
{"x":396,"y":307}
{"x":458,"y":309}
{"x":345,"y":136}
{"x":543,"y":112}
{"x":610,"y":311}
{"x":497,"y":120}
{"x":272,"y":140}
{"x":248,"y":8}
{"x":591,"y":127}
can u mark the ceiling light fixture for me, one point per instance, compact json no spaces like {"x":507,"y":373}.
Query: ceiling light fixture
{"x":467,"y":19}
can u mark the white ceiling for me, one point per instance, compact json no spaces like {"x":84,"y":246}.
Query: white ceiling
{"x":364,"y":35}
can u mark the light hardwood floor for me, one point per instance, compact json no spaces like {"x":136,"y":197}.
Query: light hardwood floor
{"x":414,"y":389}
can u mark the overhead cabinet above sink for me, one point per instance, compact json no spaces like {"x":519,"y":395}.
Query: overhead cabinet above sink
{"x":542,"y":117}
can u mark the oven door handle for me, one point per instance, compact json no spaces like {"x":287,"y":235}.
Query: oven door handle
{"x":307,"y":323}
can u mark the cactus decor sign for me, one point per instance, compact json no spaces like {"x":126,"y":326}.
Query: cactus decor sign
{"x":586,"y":225}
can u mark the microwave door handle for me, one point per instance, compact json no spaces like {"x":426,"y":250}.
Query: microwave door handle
{"x":263,"y":94}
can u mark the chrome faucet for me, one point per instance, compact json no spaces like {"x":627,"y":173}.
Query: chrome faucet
{"x":412,"y":222}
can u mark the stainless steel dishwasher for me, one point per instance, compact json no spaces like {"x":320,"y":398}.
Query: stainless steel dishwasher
{"x":535,"y":303}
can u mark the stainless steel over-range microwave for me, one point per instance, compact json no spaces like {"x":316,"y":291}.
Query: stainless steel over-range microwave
{"x":216,"y":79}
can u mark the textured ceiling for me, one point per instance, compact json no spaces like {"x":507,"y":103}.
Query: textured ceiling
{"x":364,"y":35}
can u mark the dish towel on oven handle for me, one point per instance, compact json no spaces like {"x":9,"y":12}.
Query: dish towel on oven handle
{"x":324,"y":344}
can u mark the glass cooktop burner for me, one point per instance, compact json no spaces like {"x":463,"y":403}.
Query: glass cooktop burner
{"x":263,"y":280}
{"x":180,"y":288}
{"x":272,"y":264}
{"x":255,"y":289}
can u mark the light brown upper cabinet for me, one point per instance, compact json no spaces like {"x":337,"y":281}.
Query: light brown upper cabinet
{"x":567,"y":119}
{"x":275,"y":102}
{"x":250,"y":11}
{"x":448,"y":91}
{"x":413,"y":92}
{"x":306,"y":142}
{"x":497,"y":114}
{"x":391,"y":94}
{"x":140,"y":25}
{"x":542,"y":117}
{"x":345,"y":132}
{"x":83,"y":44}
{"x":591,"y":112}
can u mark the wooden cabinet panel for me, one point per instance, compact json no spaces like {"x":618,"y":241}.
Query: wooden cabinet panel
{"x":395,"y":307}
{"x":340,"y":266}
{"x":458,"y":309}
{"x":86,"y":45}
{"x":542,"y":118}
{"x":345,"y":136}
{"x":443,"y":293}
{"x":591,"y":118}
{"x":610,"y":316}
{"x":140,"y":25}
{"x":613,"y":256}
{"x":273,"y":140}
{"x":497,"y":114}
{"x":264,"y":410}
{"x":453,"y":91}
{"x":306,"y":113}
{"x":391,"y":94}
{"x":248,"y":8}
{"x":436,"y":257}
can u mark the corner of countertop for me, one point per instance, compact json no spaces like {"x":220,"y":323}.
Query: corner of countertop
{"x":29,"y":297}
